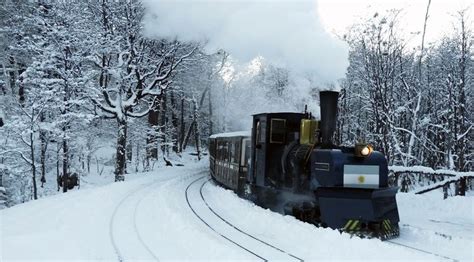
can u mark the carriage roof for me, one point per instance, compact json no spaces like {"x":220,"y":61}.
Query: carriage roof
{"x":231,"y":134}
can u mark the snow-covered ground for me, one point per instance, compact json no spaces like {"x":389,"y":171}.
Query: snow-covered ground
{"x":176,"y":214}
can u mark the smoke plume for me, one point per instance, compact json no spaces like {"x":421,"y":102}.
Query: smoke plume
{"x":288,"y":33}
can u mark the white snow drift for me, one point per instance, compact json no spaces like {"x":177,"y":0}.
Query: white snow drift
{"x":148,"y":218}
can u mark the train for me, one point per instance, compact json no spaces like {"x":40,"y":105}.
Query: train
{"x":289,"y":163}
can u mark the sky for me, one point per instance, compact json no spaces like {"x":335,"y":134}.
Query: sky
{"x":337,"y":15}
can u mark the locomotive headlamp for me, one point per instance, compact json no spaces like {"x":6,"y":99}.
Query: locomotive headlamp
{"x":363,"y":150}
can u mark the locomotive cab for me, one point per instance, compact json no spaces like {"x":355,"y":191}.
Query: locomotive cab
{"x":271,"y":135}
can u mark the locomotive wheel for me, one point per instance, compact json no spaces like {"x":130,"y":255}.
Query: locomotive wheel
{"x":306,"y":211}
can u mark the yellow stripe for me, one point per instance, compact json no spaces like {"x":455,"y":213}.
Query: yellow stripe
{"x":354,"y":225}
{"x":386,"y":224}
{"x":348,"y":224}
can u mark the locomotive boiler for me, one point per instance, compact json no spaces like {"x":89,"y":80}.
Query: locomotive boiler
{"x":290,"y":164}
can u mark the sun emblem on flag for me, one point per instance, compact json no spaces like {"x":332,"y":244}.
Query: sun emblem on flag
{"x":361,"y":179}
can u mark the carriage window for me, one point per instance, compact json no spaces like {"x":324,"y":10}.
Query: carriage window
{"x":231,"y":151}
{"x":236,"y":151}
{"x":278,"y":131}
{"x":223,"y":150}
{"x":245,"y":152}
{"x":226,"y":151}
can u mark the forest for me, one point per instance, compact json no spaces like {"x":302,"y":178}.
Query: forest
{"x":77,"y":75}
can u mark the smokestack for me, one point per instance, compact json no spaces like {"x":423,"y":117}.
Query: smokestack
{"x":328,"y":106}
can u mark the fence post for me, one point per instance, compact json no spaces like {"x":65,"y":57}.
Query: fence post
{"x":445,"y":190}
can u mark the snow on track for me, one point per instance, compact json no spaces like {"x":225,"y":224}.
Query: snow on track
{"x":312,"y":243}
{"x":442,"y":227}
{"x":240,"y":230}
{"x":257,"y":247}
{"x":123,"y":236}
{"x":176,"y":232}
{"x":205,"y":221}
{"x":86,"y":224}
{"x":148,"y":218}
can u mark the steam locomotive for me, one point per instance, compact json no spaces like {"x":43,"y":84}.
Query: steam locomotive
{"x":289,"y":163}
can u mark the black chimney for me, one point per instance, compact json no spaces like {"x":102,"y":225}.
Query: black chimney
{"x":328,"y":106}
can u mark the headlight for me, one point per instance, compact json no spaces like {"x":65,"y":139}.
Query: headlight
{"x":363,"y":150}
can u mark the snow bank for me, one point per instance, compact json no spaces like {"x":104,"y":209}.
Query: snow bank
{"x":314,"y":244}
{"x":428,"y":170}
{"x":453,"y":176}
{"x":76,"y":225}
{"x":444,"y":226}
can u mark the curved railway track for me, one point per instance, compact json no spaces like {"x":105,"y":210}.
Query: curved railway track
{"x":241,"y":239}
{"x":137,"y":231}
{"x":113,"y":240}
{"x":134,"y":225}
{"x":119,"y":251}
{"x":240,"y":230}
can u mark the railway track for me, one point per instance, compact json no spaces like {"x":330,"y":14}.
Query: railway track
{"x":249,"y":243}
{"x":137,"y":231}
{"x":202,"y":209}
{"x":420,"y":250}
{"x":437,"y":236}
{"x":440,"y":233}
{"x":134,"y":226}
{"x":113,"y":218}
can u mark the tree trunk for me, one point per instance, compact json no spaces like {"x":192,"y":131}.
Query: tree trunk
{"x":129,"y":152}
{"x":462,"y":186}
{"x":44,"y":147}
{"x":188,"y":134}
{"x":137,"y":157}
{"x":210,"y":114}
{"x":174,"y":122}
{"x":151,"y":145}
{"x":12,"y":74}
{"x":163,"y":124}
{"x":182,"y":127}
{"x":89,"y":158}
{"x":120,"y":155}
{"x":33,"y":166}
{"x":65,"y":164}
{"x":57,"y":166}
{"x":462,"y":142}
{"x":21,"y":88}
{"x":197,"y":135}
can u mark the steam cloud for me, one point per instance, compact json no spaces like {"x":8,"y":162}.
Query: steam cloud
{"x":287,"y":33}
